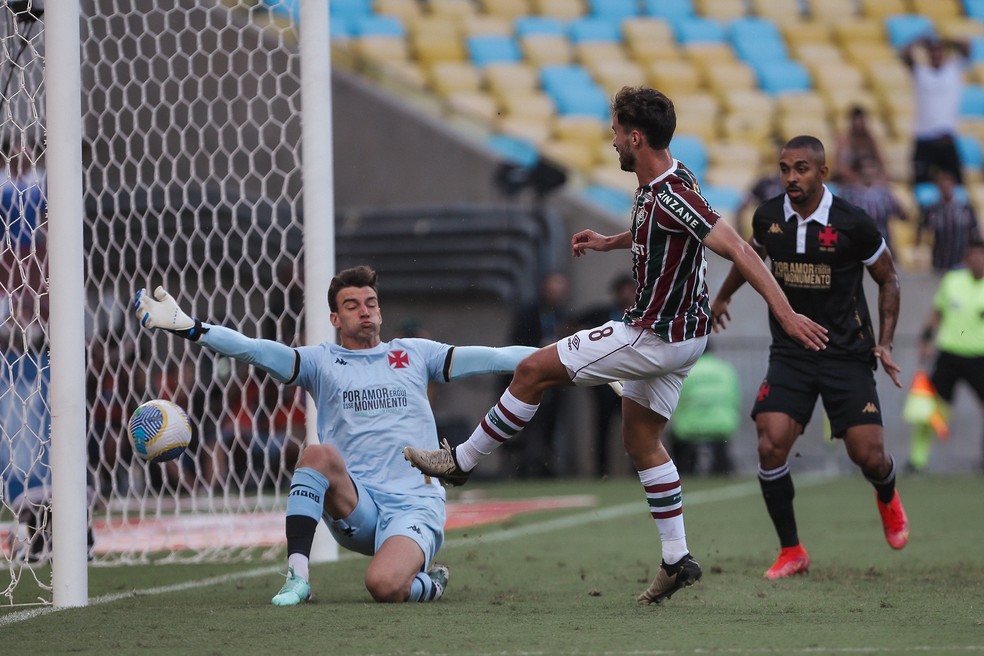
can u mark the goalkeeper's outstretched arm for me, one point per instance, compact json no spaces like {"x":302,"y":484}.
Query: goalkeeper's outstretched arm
{"x":161,"y":311}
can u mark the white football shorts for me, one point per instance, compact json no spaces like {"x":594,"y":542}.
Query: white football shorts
{"x":652,"y":371}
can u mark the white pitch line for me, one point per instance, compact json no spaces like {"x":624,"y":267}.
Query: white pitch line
{"x":726,"y":493}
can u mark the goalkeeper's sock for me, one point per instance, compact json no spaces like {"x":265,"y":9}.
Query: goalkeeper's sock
{"x":665,"y":496}
{"x":501,"y":423}
{"x":305,"y":505}
{"x":424,"y":588}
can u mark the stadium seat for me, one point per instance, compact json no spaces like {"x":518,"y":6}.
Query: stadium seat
{"x":669,"y":9}
{"x":535,"y":105}
{"x":482,"y":25}
{"x":511,"y":78}
{"x":698,"y":30}
{"x":474,"y":104}
{"x":725,"y":77}
{"x":530,"y":25}
{"x":724,"y":200}
{"x":971,"y":154}
{"x":782,"y":12}
{"x":582,"y":101}
{"x":454,"y":9}
{"x":777,"y":77}
{"x":580,"y":128}
{"x":756,"y":39}
{"x":525,"y":128}
{"x":749,"y":100}
{"x":546,"y":49}
{"x":882,"y":9}
{"x":805,"y":102}
{"x":616,"y":10}
{"x":937,"y":9}
{"x":723,"y":10}
{"x":592,"y":53}
{"x":744,"y":125}
{"x":974,"y":9}
{"x":449,"y":77}
{"x":831,"y":11}
{"x":514,"y":150}
{"x":485,"y":50}
{"x":561,"y":9}
{"x":648,"y":38}
{"x":960,"y":28}
{"x":799,"y":32}
{"x":594,"y":29}
{"x":405,"y":10}
{"x":615,"y":201}
{"x":972,"y":103}
{"x":690,"y":150}
{"x":382,"y":48}
{"x":977,"y":49}
{"x":511,"y":9}
{"x":829,"y":76}
{"x":903,"y":29}
{"x":674,"y":77}
{"x":697,"y":115}
{"x":613,"y":75}
{"x":350,"y":9}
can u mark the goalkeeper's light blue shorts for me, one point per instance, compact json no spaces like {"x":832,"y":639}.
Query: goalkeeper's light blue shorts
{"x":381,"y":515}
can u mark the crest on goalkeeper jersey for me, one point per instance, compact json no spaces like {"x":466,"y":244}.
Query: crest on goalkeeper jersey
{"x":159,"y":430}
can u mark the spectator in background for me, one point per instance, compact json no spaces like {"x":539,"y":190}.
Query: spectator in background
{"x":856,"y":145}
{"x":957,"y":321}
{"x":538,"y":324}
{"x":951,"y":222}
{"x":22,"y":195}
{"x":608,"y":404}
{"x":707,"y":415}
{"x":938,"y":83}
{"x":870,"y":191}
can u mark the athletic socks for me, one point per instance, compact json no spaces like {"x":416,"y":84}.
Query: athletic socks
{"x":305,"y":506}
{"x":424,"y":588}
{"x":778,"y":492}
{"x":503,"y":421}
{"x":665,"y":496}
{"x":885,"y":487}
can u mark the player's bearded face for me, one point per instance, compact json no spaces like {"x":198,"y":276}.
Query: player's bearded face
{"x":622,"y":144}
{"x":802,"y":176}
{"x":358,"y":318}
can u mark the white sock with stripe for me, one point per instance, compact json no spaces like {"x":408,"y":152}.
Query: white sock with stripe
{"x":503,"y":421}
{"x":665,"y":496}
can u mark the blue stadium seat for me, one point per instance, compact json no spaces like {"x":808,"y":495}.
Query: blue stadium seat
{"x":593,"y":29}
{"x":350,"y":9}
{"x":972,"y":102}
{"x":977,"y":49}
{"x":513,"y":149}
{"x":493,"y":49}
{"x":757,"y":39}
{"x":377,"y":26}
{"x":971,"y":153}
{"x":614,"y":9}
{"x":927,"y":193}
{"x":779,"y":76}
{"x":583,"y":100}
{"x":690,"y":150}
{"x":616,"y":201}
{"x":722,"y":199}
{"x":903,"y":29}
{"x":974,"y":9}
{"x":556,"y":78}
{"x":533,"y":25}
{"x":669,"y":9}
{"x":698,"y":30}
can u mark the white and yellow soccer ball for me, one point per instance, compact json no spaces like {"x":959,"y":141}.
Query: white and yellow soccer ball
{"x":159,"y":430}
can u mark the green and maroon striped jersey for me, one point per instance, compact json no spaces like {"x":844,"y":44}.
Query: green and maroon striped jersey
{"x":670,"y":219}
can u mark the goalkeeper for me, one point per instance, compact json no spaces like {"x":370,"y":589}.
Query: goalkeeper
{"x":371,"y":399}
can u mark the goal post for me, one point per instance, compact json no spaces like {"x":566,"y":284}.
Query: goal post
{"x":185,"y":169}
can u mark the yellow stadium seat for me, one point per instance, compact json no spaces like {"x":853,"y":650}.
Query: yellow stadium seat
{"x":865,"y":52}
{"x":881,"y":9}
{"x":749,"y":100}
{"x":697,"y":114}
{"x":961,"y":28}
{"x":585,"y":129}
{"x":447,"y":77}
{"x":705,"y":53}
{"x":433,"y":26}
{"x":888,"y":76}
{"x":831,"y":76}
{"x":613,"y":75}
{"x":806,"y":102}
{"x":546,"y":49}
{"x":674,"y":77}
{"x":861,"y":30}
{"x":454,"y":9}
{"x":800,"y":32}
{"x":792,"y":125}
{"x":649,"y":38}
{"x":832,"y":11}
{"x":611,"y":176}
{"x":732,"y":175}
{"x":781,"y":12}
{"x":594,"y":52}
{"x":511,"y":9}
{"x":481,"y":25}
{"x":382,"y":48}
{"x":812,"y":53}
{"x":474,"y":104}
{"x":431,"y":49}
{"x":733,"y":153}
{"x":562,"y":9}
{"x":506,"y":78}
{"x":937,"y":9}
{"x":534,"y":104}
{"x":841,"y":100}
{"x":406,"y":73}
{"x":532,"y":129}
{"x":724,"y":77}
{"x":745,"y":126}
{"x":572,"y":154}
{"x":403,"y":9}
{"x":721,"y":9}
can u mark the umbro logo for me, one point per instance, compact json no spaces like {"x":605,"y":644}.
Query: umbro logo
{"x":870,"y":408}
{"x":573,"y":343}
{"x":774,"y":229}
{"x":340,"y":361}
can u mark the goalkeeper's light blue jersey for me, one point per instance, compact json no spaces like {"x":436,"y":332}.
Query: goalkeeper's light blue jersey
{"x":373,"y":402}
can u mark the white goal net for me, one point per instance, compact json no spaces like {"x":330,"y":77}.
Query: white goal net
{"x":191,"y":179}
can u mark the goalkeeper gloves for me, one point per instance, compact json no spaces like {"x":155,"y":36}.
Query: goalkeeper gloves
{"x":162,"y":311}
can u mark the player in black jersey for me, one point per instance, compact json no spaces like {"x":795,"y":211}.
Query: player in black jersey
{"x":819,"y":246}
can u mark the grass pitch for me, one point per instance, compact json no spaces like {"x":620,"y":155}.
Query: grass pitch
{"x":565,"y":582}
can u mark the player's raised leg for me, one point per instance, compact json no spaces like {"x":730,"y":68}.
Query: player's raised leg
{"x":866,"y":447}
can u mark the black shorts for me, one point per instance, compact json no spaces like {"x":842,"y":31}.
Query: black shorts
{"x":846,"y":387}
{"x":951,"y":369}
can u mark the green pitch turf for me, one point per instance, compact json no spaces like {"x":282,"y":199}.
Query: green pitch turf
{"x":565,"y":582}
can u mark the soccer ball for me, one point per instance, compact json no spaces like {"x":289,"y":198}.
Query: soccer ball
{"x":159,"y":431}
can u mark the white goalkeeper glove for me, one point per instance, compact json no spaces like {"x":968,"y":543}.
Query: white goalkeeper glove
{"x":162,"y":311}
